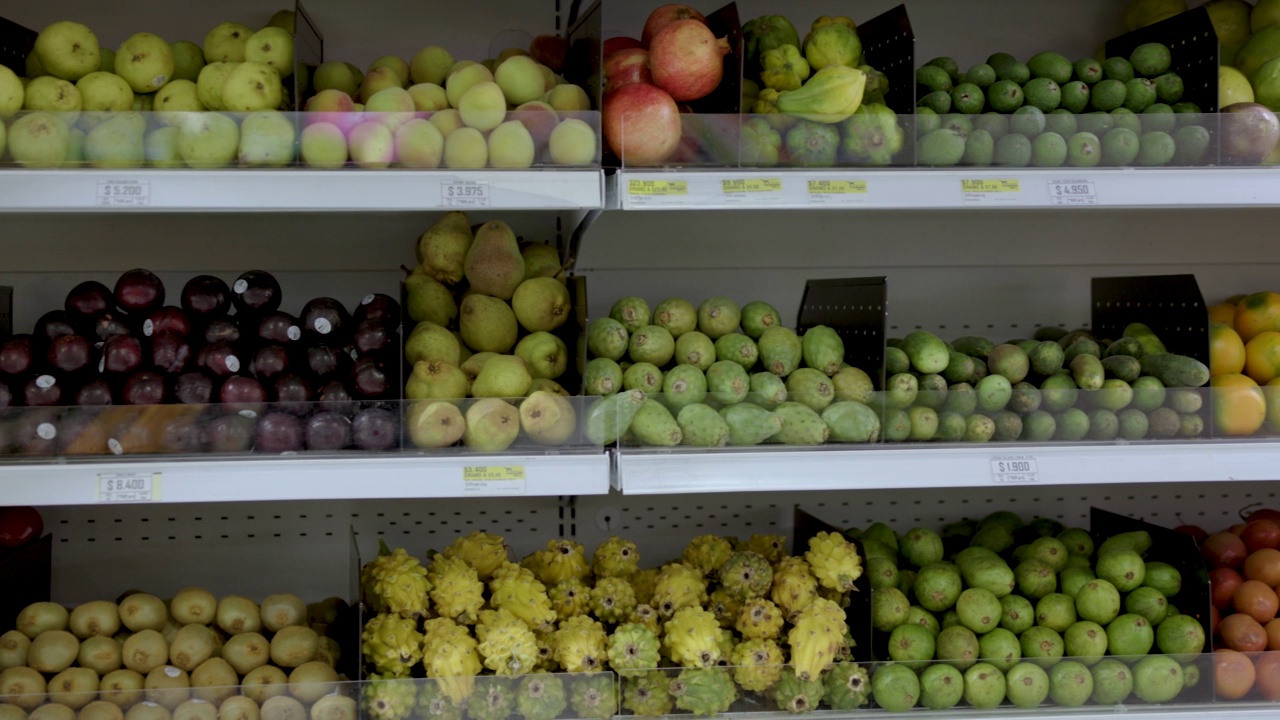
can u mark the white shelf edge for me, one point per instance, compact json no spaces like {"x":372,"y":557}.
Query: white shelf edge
{"x":295,"y":190}
{"x":310,"y":478}
{"x":681,"y":471}
{"x":925,"y":188}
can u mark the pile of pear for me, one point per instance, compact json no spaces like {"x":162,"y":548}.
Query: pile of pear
{"x":484,"y":352}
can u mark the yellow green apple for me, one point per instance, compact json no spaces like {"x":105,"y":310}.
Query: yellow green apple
{"x":120,"y":142}
{"x":446,"y":121}
{"x":38,"y":140}
{"x":271,"y":46}
{"x":521,"y":79}
{"x":267,"y":139}
{"x":212,"y":81}
{"x":394,"y":107}
{"x":511,"y":146}
{"x":573,"y":142}
{"x":252,"y":87}
{"x":461,"y":81}
{"x":430,"y":65}
{"x":419,"y":145}
{"x":323,"y":145}
{"x":102,"y":93}
{"x":188,"y":59}
{"x":483,"y":106}
{"x":372,"y":145}
{"x":208,"y":140}
{"x":397,"y":64}
{"x":11,"y":92}
{"x":161,"y":147}
{"x":226,"y":42}
{"x":466,"y":149}
{"x":336,"y":75}
{"x":428,"y":97}
{"x":67,"y":50}
{"x":145,"y":61}
{"x":54,"y":95}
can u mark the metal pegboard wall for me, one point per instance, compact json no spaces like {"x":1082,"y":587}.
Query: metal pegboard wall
{"x":256,"y":549}
{"x":662,"y":526}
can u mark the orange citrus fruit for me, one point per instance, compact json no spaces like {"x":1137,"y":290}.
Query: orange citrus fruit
{"x":1226,"y":350}
{"x":1239,"y":407}
{"x":1224,"y":313}
{"x":1257,"y":313}
{"x":1262,"y":357}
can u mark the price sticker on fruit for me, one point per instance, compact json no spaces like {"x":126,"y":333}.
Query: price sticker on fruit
{"x":493,"y":480}
{"x":1014,"y":469}
{"x":128,"y":487}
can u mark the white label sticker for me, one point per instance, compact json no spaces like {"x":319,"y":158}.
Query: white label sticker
{"x":44,"y":382}
{"x":465,"y":193}
{"x":240,"y":286}
{"x":123,"y":193}
{"x":367,"y":299}
{"x":1073,"y":192}
{"x":172,"y":671}
{"x":102,"y":364}
{"x":322,"y":326}
{"x":47,"y":431}
{"x":233,"y":363}
{"x":148,"y":327}
{"x":493,"y":480}
{"x":128,"y":487}
{"x":248,"y":414}
{"x":293,"y":333}
{"x":1014,"y":469}
{"x":115,"y":447}
{"x":354,"y":355}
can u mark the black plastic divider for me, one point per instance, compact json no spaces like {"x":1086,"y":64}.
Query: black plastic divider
{"x":858,"y":614}
{"x":889,"y":45}
{"x":1171,"y":305}
{"x":727,"y":98}
{"x":855,"y":309}
{"x":16,"y":42}
{"x":26,"y":575}
{"x":582,"y":66}
{"x":308,"y":54}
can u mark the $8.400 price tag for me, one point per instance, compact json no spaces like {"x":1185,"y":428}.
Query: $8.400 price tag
{"x":1014,"y":469}
{"x":1073,"y":192}
{"x":128,"y":487}
{"x":465,"y":194}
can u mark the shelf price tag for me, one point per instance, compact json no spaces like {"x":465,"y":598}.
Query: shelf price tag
{"x":1073,"y":192}
{"x":990,"y":191}
{"x":1014,"y":469}
{"x":751,"y":190}
{"x":137,"y":487}
{"x":838,"y":192}
{"x":657,"y":193}
{"x":123,"y":193}
{"x":465,"y":193}
{"x":493,"y":480}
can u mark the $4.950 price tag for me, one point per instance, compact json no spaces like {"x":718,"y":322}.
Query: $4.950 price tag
{"x":465,"y":194}
{"x":1014,"y":469}
{"x":1073,"y":192}
{"x":128,"y":487}
{"x":491,"y":480}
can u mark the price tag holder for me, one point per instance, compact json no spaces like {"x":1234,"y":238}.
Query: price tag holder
{"x":123,"y":193}
{"x":1073,"y":192}
{"x":657,"y":193}
{"x":1014,"y":469}
{"x":493,"y":480}
{"x":751,"y":191}
{"x":136,"y":487}
{"x":990,"y":191}
{"x":466,"y":193}
{"x":836,"y":193}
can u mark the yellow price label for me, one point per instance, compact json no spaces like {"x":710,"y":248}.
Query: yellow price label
{"x":837,"y":187}
{"x":658,"y":187}
{"x":752,"y":185}
{"x":990,"y":186}
{"x":492,"y":473}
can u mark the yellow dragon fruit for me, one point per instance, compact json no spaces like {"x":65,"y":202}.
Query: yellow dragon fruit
{"x":483,"y":551}
{"x":834,"y":560}
{"x":395,"y":582}
{"x":679,"y":586}
{"x":570,"y":598}
{"x":562,"y":560}
{"x":516,"y":590}
{"x":456,"y":590}
{"x":794,"y":586}
{"x":706,"y":553}
{"x":692,"y":638}
{"x":580,"y":645}
{"x":507,"y":645}
{"x":615,"y":557}
{"x":449,"y":654}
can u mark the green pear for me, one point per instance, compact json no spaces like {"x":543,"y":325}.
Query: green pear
{"x":145,"y":61}
{"x":434,"y":424}
{"x":544,"y":354}
{"x":267,"y":139}
{"x":435,"y":380}
{"x":541,"y":260}
{"x":472,"y":366}
{"x":428,"y":300}
{"x":188,"y":61}
{"x":551,"y":386}
{"x":541,"y":304}
{"x":175,"y":100}
{"x":212,"y":81}
{"x":101,"y":94}
{"x":11,"y":92}
{"x":209,"y":140}
{"x":271,"y":46}
{"x":67,"y":50}
{"x":335,"y":75}
{"x":117,"y":143}
{"x":443,"y":248}
{"x":39,"y":140}
{"x":252,"y":87}
{"x":50,"y":94}
{"x":505,"y":376}
{"x":494,"y":265}
{"x":492,"y":425}
{"x":430,"y":342}
{"x":226,"y":43}
{"x":162,"y":147}
{"x":548,"y":418}
{"x":487,"y":324}
{"x":430,"y":65}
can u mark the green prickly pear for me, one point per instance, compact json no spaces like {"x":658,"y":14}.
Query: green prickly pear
{"x":654,"y":425}
{"x":800,"y":425}
{"x":750,"y":424}
{"x":702,"y":426}
{"x":823,"y":350}
{"x":780,"y":350}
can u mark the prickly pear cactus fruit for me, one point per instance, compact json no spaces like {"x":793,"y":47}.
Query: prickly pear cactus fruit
{"x":541,"y":697}
{"x":746,"y":575}
{"x":633,"y":649}
{"x":647,"y":695}
{"x":703,"y":691}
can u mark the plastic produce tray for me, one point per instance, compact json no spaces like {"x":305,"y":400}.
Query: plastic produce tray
{"x":16,"y":43}
{"x":889,"y":45}
{"x":855,"y":309}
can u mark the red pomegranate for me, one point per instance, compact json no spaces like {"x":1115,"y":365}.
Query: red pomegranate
{"x":663,"y":17}
{"x":641,"y":124}
{"x":618,"y":44}
{"x":626,"y":67}
{"x":687,"y":60}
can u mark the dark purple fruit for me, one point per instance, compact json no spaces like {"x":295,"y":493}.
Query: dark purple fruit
{"x":241,"y":394}
{"x":94,"y":393}
{"x":220,"y":358}
{"x":89,"y":298}
{"x":292,"y":394}
{"x":374,"y":336}
{"x":269,"y":362}
{"x":15,"y":356}
{"x":170,"y":354}
{"x":182,"y":435}
{"x":279,"y":327}
{"x":230,"y":434}
{"x":375,"y":429}
{"x":6,"y":397}
{"x":170,"y":320}
{"x":194,"y":388}
{"x":206,"y":296}
{"x":256,"y":292}
{"x":139,"y":291}
{"x":279,"y":433}
{"x":378,"y":307}
{"x":71,"y":354}
{"x":335,"y":398}
{"x":144,"y":388}
{"x":121,"y":354}
{"x":369,"y":379}
{"x":53,"y":325}
{"x":328,"y":431}
{"x":42,"y":391}
{"x":324,"y":362}
{"x":111,"y":324}
{"x":222,"y":330}
{"x":325,"y":320}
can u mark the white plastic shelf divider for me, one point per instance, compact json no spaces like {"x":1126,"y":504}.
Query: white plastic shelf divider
{"x":922,"y":188}
{"x":657,"y":472}
{"x":349,"y":477}
{"x":297,"y":190}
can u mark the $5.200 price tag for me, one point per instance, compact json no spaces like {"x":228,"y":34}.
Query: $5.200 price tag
{"x":1073,"y":192}
{"x":493,"y":480}
{"x":1014,"y":469}
{"x":128,"y":487}
{"x":123,"y":193}
{"x":465,"y":194}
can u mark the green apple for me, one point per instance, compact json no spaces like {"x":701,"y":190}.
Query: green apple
{"x":33,"y":68}
{"x":419,"y":145}
{"x":117,"y":143}
{"x":461,"y":81}
{"x":483,"y":107}
{"x":252,"y":87}
{"x":271,"y":46}
{"x":466,"y":149}
{"x":68,"y":50}
{"x":323,"y":146}
{"x":430,"y":65}
{"x":372,"y":145}
{"x":188,"y":59}
{"x":549,"y":78}
{"x":511,"y":146}
{"x":75,"y":148}
{"x":378,"y":79}
{"x":267,"y":139}
{"x":336,"y":76}
{"x":102,"y":93}
{"x":573,"y":142}
{"x":208,"y":140}
{"x":54,"y":95}
{"x":284,"y":19}
{"x":521,"y":80}
{"x":3,"y":132}
{"x":428,"y":97}
{"x":356,"y":73}
{"x":446,"y":121}
{"x":394,"y":107}
{"x":162,"y":147}
{"x":213,"y":79}
{"x":107,"y":61}
{"x":39,"y":140}
{"x":177,"y":99}
{"x":226,"y":42}
{"x":568,"y":98}
{"x":397,"y":64}
{"x":11,"y":92}
{"x":145,"y":61}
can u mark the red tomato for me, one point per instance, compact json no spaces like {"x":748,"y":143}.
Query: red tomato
{"x":19,"y":526}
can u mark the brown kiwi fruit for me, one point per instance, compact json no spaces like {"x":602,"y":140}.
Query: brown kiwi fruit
{"x":168,"y":686}
{"x":247,"y":652}
{"x":23,"y":687}
{"x":194,"y":606}
{"x":238,"y":707}
{"x":145,"y":651}
{"x":52,"y":711}
{"x":191,"y":645}
{"x":311,"y":681}
{"x":196,"y":710}
{"x":122,"y":687}
{"x":74,"y":687}
{"x":283,"y":708}
{"x":141,"y":611}
{"x":334,"y":707}
{"x":238,"y":614}
{"x":170,"y":631}
{"x":100,"y":654}
{"x":294,"y":645}
{"x":53,"y":651}
{"x":101,"y":710}
{"x":38,"y":617}
{"x":264,"y":683}
{"x":12,"y":712}
{"x":13,"y":649}
{"x":214,"y":681}
{"x":220,"y":638}
{"x":148,"y":711}
{"x":282,"y":611}
{"x":328,"y":651}
{"x":100,"y":617}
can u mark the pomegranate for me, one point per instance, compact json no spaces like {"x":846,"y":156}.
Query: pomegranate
{"x":626,"y":67}
{"x":618,"y":44}
{"x":641,"y":124}
{"x":1223,"y":583}
{"x":1223,"y":549}
{"x":663,"y":17}
{"x":1233,"y":674}
{"x":687,"y":60}
{"x":1264,"y":565}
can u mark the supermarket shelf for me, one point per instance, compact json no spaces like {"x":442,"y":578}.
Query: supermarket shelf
{"x":1223,"y":711}
{"x":305,"y":478}
{"x":296,"y":190}
{"x":656,"y":472}
{"x":719,"y":189}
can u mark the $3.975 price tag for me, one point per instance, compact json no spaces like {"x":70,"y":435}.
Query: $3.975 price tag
{"x":1073,"y":192}
{"x":128,"y":487}
{"x":465,"y":194}
{"x":1014,"y":469}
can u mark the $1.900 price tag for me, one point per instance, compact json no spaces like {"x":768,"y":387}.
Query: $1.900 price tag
{"x":465,"y":194}
{"x":1072,"y":192}
{"x":1014,"y":469}
{"x":123,"y":193}
{"x":491,"y":480}
{"x":128,"y":487}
